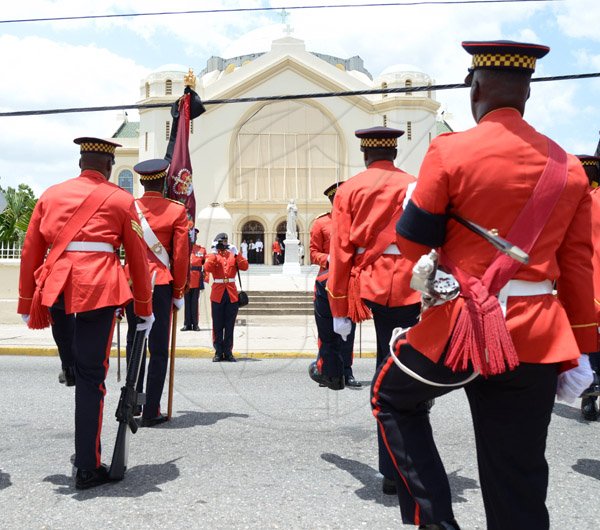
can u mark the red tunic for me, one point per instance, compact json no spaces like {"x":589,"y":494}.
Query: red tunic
{"x":487,"y":174}
{"x":168,"y":221}
{"x":320,"y":239}
{"x":365,"y":206}
{"x":197,"y":258}
{"x":89,"y":280}
{"x":223,"y":266}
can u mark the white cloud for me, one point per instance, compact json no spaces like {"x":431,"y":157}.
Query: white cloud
{"x":579,"y":18}
{"x":43,"y":74}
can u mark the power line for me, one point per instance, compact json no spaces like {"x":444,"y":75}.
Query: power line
{"x":316,"y":95}
{"x":289,"y":8}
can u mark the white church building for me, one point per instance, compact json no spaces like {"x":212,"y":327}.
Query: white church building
{"x":249,"y":159}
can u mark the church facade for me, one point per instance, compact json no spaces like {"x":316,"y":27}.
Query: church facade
{"x":250,"y":159}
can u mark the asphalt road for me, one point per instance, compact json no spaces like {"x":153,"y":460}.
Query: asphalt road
{"x":252,"y":445}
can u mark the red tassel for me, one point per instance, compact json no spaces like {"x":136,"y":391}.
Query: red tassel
{"x":481,"y":338}
{"x":357,"y":310}
{"x":39,"y":316}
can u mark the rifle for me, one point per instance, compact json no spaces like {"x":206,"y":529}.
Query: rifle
{"x":128,"y":401}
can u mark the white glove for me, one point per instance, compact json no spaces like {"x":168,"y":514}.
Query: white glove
{"x":342,"y":326}
{"x":119,"y":313}
{"x":574,"y":381}
{"x":178,"y":303}
{"x":145,"y":324}
{"x":327,"y":258}
{"x":213,"y":247}
{"x":233,"y":249}
{"x":25,"y":318}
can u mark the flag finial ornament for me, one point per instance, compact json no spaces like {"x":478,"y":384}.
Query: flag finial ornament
{"x":190,"y":79}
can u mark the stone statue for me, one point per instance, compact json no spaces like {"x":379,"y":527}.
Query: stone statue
{"x":292,"y":213}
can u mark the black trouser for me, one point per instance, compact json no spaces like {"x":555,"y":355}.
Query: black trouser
{"x":91,"y":336}
{"x":223,"y":322}
{"x":511,"y":413}
{"x":191,"y":307}
{"x":386,"y":319}
{"x":63,"y":332}
{"x":335,"y":355}
{"x":158,"y":344}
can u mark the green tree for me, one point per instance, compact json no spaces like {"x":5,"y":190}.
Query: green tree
{"x":15,"y":217}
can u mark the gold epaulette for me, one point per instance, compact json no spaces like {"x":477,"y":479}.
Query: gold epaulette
{"x":322,"y":215}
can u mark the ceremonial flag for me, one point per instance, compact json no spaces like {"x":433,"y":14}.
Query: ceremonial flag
{"x":179,"y":178}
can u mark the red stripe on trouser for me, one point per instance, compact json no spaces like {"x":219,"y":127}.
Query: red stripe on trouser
{"x":376,"y":410}
{"x":102,"y":388}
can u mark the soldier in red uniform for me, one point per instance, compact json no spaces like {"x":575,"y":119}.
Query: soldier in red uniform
{"x":365,"y":265}
{"x":333,"y":367}
{"x":276,"y":252}
{"x":223,"y":263}
{"x":83,"y":222}
{"x":196,"y":284}
{"x":165,"y":232}
{"x":591,"y":165}
{"x":506,"y":325}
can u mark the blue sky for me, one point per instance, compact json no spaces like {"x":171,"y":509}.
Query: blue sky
{"x":102,"y":62}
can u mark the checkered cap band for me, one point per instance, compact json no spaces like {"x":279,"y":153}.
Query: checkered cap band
{"x":504,"y":60}
{"x":593,"y":163}
{"x":378,"y":142}
{"x":154,"y":176}
{"x":95,"y":147}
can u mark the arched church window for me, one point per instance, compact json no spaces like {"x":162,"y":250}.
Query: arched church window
{"x":126,"y":180}
{"x":286,"y":150}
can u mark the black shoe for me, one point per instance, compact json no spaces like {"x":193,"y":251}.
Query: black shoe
{"x":388,"y":486}
{"x":444,"y":525}
{"x":333,"y":383}
{"x":351,"y":382}
{"x":230,"y":359}
{"x":185,"y":328}
{"x":217,"y":359}
{"x":589,"y":408}
{"x":157,"y":420}
{"x":67,"y":376}
{"x":85,"y":479}
{"x":195,"y":328}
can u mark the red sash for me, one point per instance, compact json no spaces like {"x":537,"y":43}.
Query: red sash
{"x":39,"y":317}
{"x":480,"y":335}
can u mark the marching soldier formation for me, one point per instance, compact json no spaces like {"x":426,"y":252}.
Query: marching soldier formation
{"x":519,"y":329}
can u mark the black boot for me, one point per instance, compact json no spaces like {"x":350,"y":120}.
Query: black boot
{"x":85,"y":479}
{"x":589,"y":408}
{"x":333,"y":383}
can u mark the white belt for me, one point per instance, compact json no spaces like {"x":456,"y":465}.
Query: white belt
{"x":523,"y":288}
{"x":391,"y":249}
{"x":89,"y":246}
{"x":224,"y":280}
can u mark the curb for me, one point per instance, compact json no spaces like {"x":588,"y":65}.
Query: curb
{"x":193,"y":353}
